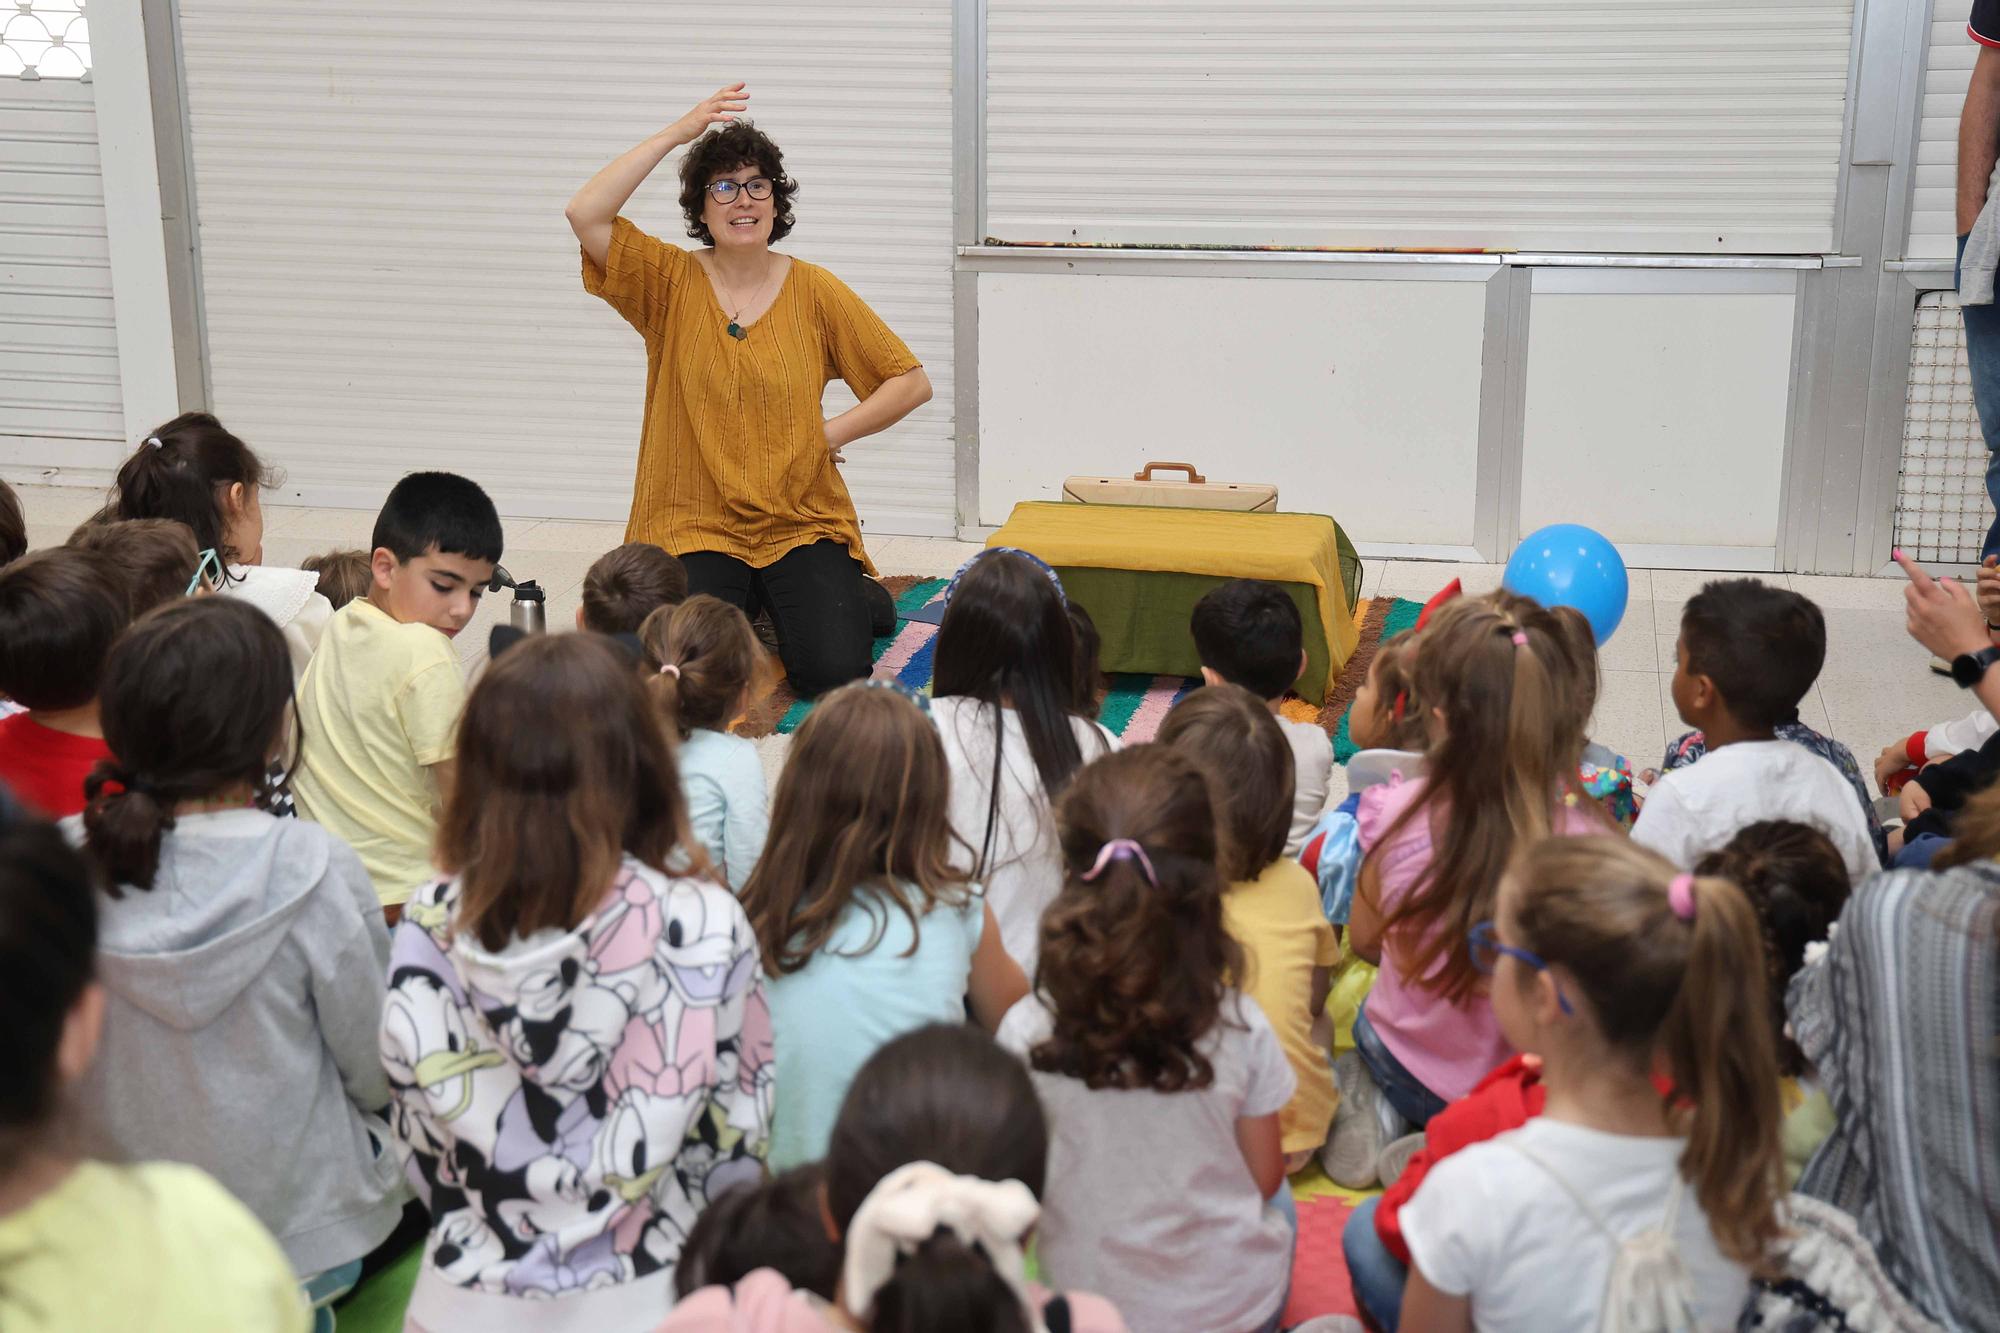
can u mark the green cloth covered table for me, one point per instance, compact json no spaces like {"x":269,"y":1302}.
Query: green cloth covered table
{"x":1139,"y":570}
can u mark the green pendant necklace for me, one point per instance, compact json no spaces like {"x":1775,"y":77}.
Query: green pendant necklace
{"x":735,"y":329}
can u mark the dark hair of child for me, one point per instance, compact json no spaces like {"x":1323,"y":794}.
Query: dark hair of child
{"x":154,"y":557}
{"x":177,"y":736}
{"x":1089,"y":696}
{"x":1386,"y":713}
{"x":13,"y":526}
{"x":1132,"y":970}
{"x":187,"y":477}
{"x":1673,"y":995}
{"x":1249,"y":632}
{"x":1797,"y":884}
{"x":1231,"y":734}
{"x":563,"y":768}
{"x":439,"y":511}
{"x":1006,"y":636}
{"x":60,"y":612}
{"x":861,"y":808}
{"x":628,"y":583}
{"x":775,"y":1224}
{"x":949,"y":1096}
{"x":1763,"y":648}
{"x":700,"y":655}
{"x":343,"y":575}
{"x":48,"y":953}
{"x":732,"y":147}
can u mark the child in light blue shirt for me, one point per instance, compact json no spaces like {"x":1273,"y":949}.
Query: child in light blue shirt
{"x":704,"y":660}
{"x":866,"y":927}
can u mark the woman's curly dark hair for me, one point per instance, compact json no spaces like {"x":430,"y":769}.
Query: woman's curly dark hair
{"x":1133,"y":973}
{"x":736,"y":145}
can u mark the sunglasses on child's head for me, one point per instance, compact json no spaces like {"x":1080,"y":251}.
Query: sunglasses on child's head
{"x":1486,"y":949}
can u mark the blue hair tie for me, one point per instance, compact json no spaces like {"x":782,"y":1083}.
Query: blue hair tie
{"x":952,"y":588}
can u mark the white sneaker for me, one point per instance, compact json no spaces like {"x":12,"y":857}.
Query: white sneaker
{"x":1331,"y":1323}
{"x":1356,"y":1141}
{"x":1396,"y":1156}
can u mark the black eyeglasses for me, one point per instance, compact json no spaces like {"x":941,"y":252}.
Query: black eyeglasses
{"x":757,"y":187}
{"x":1486,"y":950}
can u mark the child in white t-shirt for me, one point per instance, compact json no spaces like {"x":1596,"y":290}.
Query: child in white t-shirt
{"x":1651,"y":1179}
{"x":1747,"y":654}
{"x":1249,"y":633}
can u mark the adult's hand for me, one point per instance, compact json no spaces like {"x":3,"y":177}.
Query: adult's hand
{"x":1986,"y":589}
{"x":1893,"y":760}
{"x":723,"y":106}
{"x":1942,"y":615}
{"x":594,"y":208}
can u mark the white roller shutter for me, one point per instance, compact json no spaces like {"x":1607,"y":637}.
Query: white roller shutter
{"x":388,"y":279}
{"x":1947,"y":74}
{"x":60,"y":406}
{"x":1613,"y":125}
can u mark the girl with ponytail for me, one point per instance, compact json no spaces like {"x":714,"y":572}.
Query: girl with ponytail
{"x":1650,"y":1181}
{"x":243,"y":955}
{"x":928,"y":1198}
{"x":703,"y":664}
{"x":1166,"y":1187}
{"x":193,"y":470}
{"x":1496,"y":676}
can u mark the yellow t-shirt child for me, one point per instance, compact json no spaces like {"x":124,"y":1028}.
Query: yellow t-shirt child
{"x":379,"y":705}
{"x":1276,"y":919}
{"x":159,"y":1247}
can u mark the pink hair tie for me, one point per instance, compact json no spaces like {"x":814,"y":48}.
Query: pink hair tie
{"x":669,"y":669}
{"x":1122,"y":849}
{"x":1520,"y":638}
{"x":1680,"y":896}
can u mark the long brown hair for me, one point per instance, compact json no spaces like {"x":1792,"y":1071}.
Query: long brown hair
{"x":702,"y":655}
{"x":1682,"y":997}
{"x":1132,"y":970}
{"x":563,"y":769}
{"x":861,"y":808}
{"x":182,"y":471}
{"x":1230,"y":733}
{"x":1504,"y":749}
{"x":1975,"y":833}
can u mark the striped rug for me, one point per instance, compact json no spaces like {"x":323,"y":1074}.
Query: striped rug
{"x":1133,"y":706}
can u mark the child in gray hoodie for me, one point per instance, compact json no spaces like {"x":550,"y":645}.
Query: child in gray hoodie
{"x":244,"y":956}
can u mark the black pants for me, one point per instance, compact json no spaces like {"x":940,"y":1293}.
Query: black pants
{"x":814,"y":596}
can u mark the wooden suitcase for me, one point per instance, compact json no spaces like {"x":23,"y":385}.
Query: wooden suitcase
{"x":1196,"y":492}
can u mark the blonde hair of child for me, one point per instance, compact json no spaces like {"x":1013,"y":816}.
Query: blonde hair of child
{"x":1680,"y":995}
{"x":1504,"y":751}
{"x":701,"y":656}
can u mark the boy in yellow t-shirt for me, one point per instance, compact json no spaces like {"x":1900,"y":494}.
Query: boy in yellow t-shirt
{"x":380,"y":700}
{"x":1271,"y":908}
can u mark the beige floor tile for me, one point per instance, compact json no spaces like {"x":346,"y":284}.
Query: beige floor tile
{"x":1628,"y":716}
{"x":1851,"y":594}
{"x":924,"y":557}
{"x":565,"y":535}
{"x":331,"y":528}
{"x":1877,"y":684}
{"x":1631,"y":648}
{"x":1812,"y":712}
{"x":1418,"y":579}
{"x":58,"y":506}
{"x":43,"y":535}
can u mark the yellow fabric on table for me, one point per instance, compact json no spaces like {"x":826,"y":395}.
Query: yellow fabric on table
{"x":732,"y":452}
{"x":1283,"y":548}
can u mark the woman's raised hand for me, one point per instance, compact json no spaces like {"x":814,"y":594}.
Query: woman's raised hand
{"x":723,"y":107}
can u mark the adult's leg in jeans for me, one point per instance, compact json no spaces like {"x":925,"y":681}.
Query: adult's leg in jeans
{"x":816,"y":601}
{"x":1982,"y":359}
{"x":719,"y":575}
{"x":1375,"y":1273}
{"x":1400,"y":1088}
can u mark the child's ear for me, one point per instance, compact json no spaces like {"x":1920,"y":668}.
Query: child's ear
{"x":1302,"y":665}
{"x":579,"y":617}
{"x":826,"y":1213}
{"x":234,"y":498}
{"x":1210,"y":676}
{"x":1702,"y":694}
{"x":382,"y":565}
{"x":1548,"y":998}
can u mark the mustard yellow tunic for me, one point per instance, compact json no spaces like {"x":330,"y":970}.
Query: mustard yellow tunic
{"x":732,"y":455}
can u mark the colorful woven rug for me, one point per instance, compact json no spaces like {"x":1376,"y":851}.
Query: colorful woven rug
{"x":1133,"y":706}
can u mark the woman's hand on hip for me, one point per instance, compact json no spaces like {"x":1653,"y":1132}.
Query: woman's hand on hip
{"x":720,"y":109}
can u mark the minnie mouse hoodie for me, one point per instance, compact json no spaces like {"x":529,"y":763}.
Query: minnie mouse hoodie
{"x":568,"y":1104}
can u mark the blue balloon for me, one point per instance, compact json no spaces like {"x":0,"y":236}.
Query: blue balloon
{"x":1567,"y":564}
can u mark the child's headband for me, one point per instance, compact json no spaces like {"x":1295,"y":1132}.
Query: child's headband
{"x":1029,"y":556}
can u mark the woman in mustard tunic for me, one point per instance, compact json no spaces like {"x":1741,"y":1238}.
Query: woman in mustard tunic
{"x":737,"y":461}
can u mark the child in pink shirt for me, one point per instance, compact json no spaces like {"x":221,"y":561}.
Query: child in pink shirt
{"x":1497,"y":678}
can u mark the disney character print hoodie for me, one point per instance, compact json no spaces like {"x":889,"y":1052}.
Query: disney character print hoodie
{"x":568,"y":1104}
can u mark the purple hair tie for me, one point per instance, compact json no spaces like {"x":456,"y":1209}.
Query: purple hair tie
{"x":1680,"y":896}
{"x":1122,"y":849}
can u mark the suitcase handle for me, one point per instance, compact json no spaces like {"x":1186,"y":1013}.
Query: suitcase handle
{"x":1194,"y":478}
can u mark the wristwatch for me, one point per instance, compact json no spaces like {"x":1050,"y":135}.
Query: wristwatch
{"x":1968,"y":669}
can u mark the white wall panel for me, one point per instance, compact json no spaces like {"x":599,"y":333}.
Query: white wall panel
{"x":1658,"y":418}
{"x":1359,"y":399}
{"x":1947,"y":74}
{"x":388,"y":278}
{"x":1614,"y":125}
{"x":59,"y":394}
